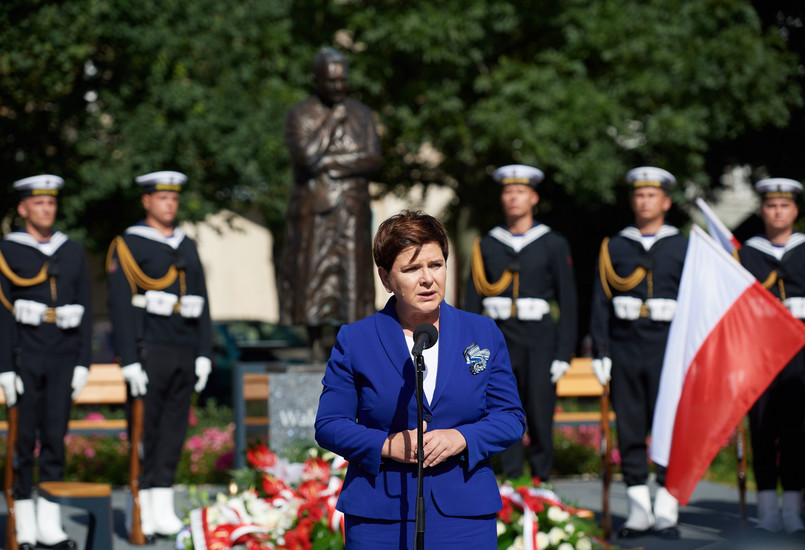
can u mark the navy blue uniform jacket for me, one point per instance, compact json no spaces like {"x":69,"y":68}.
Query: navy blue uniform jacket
{"x":369,"y":393}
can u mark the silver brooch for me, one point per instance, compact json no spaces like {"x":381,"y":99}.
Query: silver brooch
{"x":476,"y":358}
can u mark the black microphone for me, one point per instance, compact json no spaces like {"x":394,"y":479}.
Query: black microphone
{"x":425,"y":335}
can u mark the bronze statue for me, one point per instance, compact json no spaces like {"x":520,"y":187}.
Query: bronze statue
{"x":326,"y":266}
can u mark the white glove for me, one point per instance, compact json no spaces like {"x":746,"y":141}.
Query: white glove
{"x":602,"y":368}
{"x":69,"y":316}
{"x":12,"y":386}
{"x":79,"y":380}
{"x":29,"y":312}
{"x":160,"y":303}
{"x":558,"y":370}
{"x":191,"y":306}
{"x":203,"y":368}
{"x":136,"y":378}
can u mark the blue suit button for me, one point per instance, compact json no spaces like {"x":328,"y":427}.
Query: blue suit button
{"x":427,"y":417}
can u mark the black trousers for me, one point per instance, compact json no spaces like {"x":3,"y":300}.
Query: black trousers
{"x":532,"y":369}
{"x":636,"y":367}
{"x":171,"y":376}
{"x":777,"y":424}
{"x":44,"y":409}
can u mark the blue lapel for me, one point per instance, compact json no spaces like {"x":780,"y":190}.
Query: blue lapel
{"x":391,"y":337}
{"x":448,"y":348}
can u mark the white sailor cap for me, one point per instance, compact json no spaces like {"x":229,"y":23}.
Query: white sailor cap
{"x":650,"y":176}
{"x":165,"y":180}
{"x":778,"y":188}
{"x":518,"y":174}
{"x":44,"y":184}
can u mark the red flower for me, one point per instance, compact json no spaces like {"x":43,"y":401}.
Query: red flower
{"x":311,"y":510}
{"x":260,"y":457}
{"x":317,"y":468}
{"x":505,"y":513}
{"x":272,"y":486}
{"x":192,"y":420}
{"x":299,"y":538}
{"x":311,"y":489}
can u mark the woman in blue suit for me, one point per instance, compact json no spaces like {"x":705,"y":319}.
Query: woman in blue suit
{"x":367,"y":411}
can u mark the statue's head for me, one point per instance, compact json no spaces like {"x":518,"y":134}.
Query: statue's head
{"x":330,"y":75}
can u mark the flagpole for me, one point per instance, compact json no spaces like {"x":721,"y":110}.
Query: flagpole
{"x":740,"y":455}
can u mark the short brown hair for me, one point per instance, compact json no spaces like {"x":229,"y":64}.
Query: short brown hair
{"x":406,"y":229}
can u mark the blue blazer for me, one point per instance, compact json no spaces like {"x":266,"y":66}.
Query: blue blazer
{"x":369,"y":393}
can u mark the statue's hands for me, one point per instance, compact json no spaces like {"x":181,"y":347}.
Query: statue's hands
{"x":339,"y":112}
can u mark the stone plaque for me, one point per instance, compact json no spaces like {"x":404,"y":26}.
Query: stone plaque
{"x":292,"y":403}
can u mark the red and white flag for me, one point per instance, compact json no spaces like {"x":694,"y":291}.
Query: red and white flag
{"x":717,"y":229}
{"x":729,"y":339}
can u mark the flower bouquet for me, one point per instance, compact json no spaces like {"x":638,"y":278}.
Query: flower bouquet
{"x":275,"y":504}
{"x":283,"y":505}
{"x":535,"y":518}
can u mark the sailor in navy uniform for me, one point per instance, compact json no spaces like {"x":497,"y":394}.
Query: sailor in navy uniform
{"x":634,"y":300}
{"x":161,"y":319}
{"x":45,"y":336}
{"x":777,"y":259}
{"x":518,"y":270}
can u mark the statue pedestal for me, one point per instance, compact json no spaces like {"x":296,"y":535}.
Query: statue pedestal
{"x":292,"y":392}
{"x":292,"y":404}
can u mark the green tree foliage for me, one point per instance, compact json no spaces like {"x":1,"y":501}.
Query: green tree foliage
{"x":201,"y":87}
{"x":102,"y":90}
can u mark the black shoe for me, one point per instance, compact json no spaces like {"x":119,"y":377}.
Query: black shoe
{"x":66,"y":544}
{"x":630,"y":533}
{"x":150,"y":539}
{"x":668,"y":533}
{"x":25,"y":546}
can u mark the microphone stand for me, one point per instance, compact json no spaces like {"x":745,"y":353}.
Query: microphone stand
{"x":419,"y":542}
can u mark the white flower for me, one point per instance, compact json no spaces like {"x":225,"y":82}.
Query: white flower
{"x":501,"y":527}
{"x":543,"y":541}
{"x":565,"y":546}
{"x":570,"y":528}
{"x":557,"y":515}
{"x":556,"y":535}
{"x":183,"y":539}
{"x":584,"y":544}
{"x":264,"y":514}
{"x":517,"y":544}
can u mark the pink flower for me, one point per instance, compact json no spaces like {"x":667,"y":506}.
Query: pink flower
{"x":194,"y":443}
{"x":94,"y":417}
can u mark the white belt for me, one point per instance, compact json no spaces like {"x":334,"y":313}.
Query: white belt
{"x":630,"y":308}
{"x":796,"y":305}
{"x":528,"y":309}
{"x":165,"y":304}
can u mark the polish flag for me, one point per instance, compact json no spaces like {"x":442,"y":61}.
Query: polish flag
{"x":729,"y":339}
{"x":717,"y":229}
